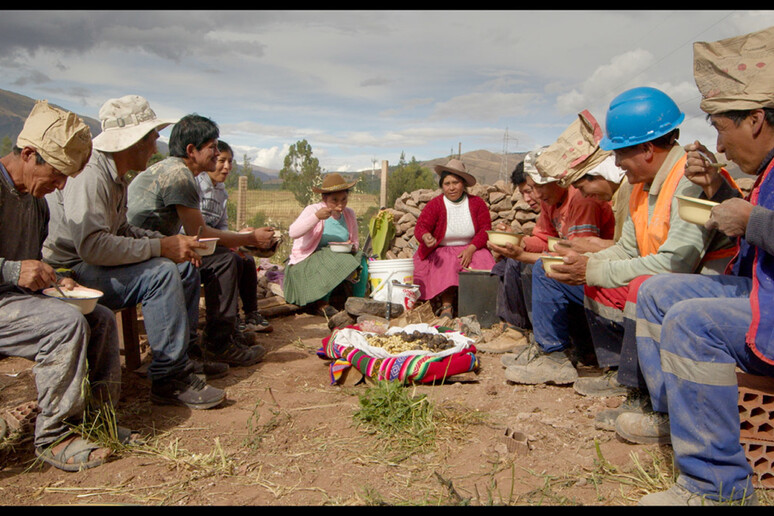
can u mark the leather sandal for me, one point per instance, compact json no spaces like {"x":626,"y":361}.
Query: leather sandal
{"x":74,"y":455}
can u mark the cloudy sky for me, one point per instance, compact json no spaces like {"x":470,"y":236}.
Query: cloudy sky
{"x":364,"y":86}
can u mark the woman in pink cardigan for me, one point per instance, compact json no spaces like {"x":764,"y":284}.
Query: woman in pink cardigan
{"x":313,"y":270}
{"x":451,"y":231}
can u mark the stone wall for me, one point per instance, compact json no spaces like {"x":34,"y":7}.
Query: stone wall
{"x":504,"y":201}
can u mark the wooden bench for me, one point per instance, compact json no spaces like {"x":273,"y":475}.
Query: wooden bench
{"x":129,"y":336}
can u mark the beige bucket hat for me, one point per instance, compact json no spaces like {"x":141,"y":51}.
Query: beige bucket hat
{"x":457,"y":168}
{"x":125,"y":121}
{"x":334,"y":182}
{"x":61,"y":138}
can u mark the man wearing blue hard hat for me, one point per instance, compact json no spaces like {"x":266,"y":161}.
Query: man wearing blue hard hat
{"x":641,"y":131}
{"x":693,"y":332}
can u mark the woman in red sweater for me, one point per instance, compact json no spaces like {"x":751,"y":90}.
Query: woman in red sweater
{"x":451,"y":231}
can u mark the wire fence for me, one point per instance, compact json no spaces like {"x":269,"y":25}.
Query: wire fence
{"x":279,"y":208}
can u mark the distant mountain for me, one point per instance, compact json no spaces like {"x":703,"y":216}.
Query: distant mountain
{"x":14,"y":109}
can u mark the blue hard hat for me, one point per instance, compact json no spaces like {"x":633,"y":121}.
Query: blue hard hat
{"x":639,"y":115}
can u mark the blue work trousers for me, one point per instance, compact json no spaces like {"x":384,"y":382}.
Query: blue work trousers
{"x":169,"y":294}
{"x":690,"y":338}
{"x":558,"y":319}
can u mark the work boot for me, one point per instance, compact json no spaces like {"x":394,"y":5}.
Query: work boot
{"x":644,"y":428}
{"x":600,"y":386}
{"x":209,"y":369}
{"x":188,"y":390}
{"x":508,"y":341}
{"x":255,"y":322}
{"x":521,"y":355}
{"x":554,"y":367}
{"x":678,"y":495}
{"x":637,"y":400}
{"x":233,"y":353}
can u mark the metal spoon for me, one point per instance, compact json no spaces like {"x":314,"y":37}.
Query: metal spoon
{"x":61,"y":292}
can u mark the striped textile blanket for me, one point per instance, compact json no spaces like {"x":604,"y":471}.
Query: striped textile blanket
{"x":348,"y":347}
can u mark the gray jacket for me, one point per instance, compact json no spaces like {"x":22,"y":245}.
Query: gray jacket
{"x":88,"y":221}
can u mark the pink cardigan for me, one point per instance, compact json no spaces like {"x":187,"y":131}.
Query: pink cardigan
{"x":306,"y":231}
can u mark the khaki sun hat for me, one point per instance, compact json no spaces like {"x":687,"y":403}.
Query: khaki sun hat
{"x":125,"y":121}
{"x":735,"y":74}
{"x":61,"y":138}
{"x":333,"y":183}
{"x":457,"y":168}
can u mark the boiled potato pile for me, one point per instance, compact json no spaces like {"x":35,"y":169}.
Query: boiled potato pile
{"x":417,"y":340}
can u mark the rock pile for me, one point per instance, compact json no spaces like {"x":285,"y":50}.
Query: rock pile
{"x":504,"y":201}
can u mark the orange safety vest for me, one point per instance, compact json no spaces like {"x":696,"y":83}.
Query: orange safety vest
{"x":652,"y":234}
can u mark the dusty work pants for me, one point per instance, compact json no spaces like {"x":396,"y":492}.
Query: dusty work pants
{"x":220,"y":277}
{"x":690,"y":338}
{"x":66,"y":347}
{"x":514,"y":294}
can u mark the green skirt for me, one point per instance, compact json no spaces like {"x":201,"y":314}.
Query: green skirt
{"x":317,"y":275}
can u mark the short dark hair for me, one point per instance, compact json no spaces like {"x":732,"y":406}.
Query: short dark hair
{"x":191,"y":129}
{"x":737,"y":116}
{"x":667,"y":140}
{"x":38,"y":158}
{"x":518,"y":176}
{"x":224,"y":147}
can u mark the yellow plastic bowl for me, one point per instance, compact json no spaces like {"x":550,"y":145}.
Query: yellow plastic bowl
{"x":552,"y":243}
{"x":82,"y":298}
{"x":694,"y":210}
{"x":503,"y":237}
{"x":548,"y":261}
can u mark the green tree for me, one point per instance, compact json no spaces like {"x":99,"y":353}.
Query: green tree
{"x":6,"y":146}
{"x":253,"y":181}
{"x":408,"y":177}
{"x":300,"y":172}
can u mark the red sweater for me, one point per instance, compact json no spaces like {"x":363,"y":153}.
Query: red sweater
{"x":576,"y":216}
{"x":433,"y":220}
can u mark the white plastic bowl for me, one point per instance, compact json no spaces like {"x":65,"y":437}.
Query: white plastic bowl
{"x":548,"y":261}
{"x":211,"y":243}
{"x":501,"y":238}
{"x":84,"y":299}
{"x":340,"y":247}
{"x":694,"y":210}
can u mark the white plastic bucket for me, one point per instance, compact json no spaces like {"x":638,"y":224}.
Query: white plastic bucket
{"x":399,"y":269}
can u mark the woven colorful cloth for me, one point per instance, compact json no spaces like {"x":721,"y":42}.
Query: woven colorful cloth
{"x":348,"y":347}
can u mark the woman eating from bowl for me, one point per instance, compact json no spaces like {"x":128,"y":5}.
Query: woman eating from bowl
{"x":315,"y":268}
{"x":451,"y":231}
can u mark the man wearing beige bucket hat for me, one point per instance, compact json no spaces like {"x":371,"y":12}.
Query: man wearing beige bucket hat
{"x":67,"y":347}
{"x":89,"y":234}
{"x":166,"y":198}
{"x":694,"y":332}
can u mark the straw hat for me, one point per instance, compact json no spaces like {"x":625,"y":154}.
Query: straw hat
{"x":125,"y":121}
{"x":457,"y":168}
{"x":333,"y":183}
{"x":61,"y":138}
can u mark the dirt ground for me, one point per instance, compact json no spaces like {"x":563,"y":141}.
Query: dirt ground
{"x":286,"y":436}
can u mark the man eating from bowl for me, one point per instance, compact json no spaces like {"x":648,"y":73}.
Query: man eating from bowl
{"x":67,"y":347}
{"x":89,"y":235}
{"x":166,"y":198}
